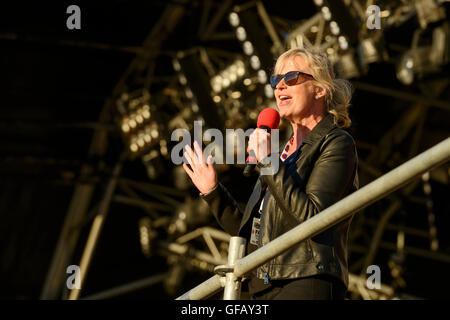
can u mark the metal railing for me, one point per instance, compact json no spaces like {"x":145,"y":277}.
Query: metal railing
{"x":341,"y":210}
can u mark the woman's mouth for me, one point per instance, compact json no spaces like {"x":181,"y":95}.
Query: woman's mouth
{"x":284,"y":100}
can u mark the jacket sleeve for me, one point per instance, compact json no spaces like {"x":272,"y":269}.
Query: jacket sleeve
{"x":225,"y":209}
{"x":330,"y":180}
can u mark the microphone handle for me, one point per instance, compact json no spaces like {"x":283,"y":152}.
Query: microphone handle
{"x":249,"y":167}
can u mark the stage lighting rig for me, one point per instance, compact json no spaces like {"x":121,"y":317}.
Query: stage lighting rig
{"x":185,"y":87}
{"x":254,"y":43}
{"x":341,"y":21}
{"x":422,"y":60}
{"x":198,"y":88}
{"x":139,"y":123}
{"x":429,"y":11}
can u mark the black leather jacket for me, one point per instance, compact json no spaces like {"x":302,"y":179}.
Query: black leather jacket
{"x":326,"y":172}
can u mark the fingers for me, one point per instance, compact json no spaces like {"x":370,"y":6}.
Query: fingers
{"x":195,"y":158}
{"x":209,"y":161}
{"x":259,"y":143}
{"x":188,"y":154}
{"x":188,"y":171}
{"x":199,"y":154}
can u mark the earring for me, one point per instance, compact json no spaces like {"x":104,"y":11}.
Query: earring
{"x":316,"y":97}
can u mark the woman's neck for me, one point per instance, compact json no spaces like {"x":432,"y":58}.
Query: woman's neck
{"x":302,"y":127}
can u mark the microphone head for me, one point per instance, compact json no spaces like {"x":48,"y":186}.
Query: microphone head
{"x":269,"y":118}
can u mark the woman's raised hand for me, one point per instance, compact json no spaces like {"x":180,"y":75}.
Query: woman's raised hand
{"x":202,"y":174}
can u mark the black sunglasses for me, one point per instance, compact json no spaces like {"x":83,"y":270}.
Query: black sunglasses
{"x":291,"y":78}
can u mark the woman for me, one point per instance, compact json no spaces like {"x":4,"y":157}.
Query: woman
{"x":318,"y":167}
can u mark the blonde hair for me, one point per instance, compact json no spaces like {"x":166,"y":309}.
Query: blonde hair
{"x":338,"y":91}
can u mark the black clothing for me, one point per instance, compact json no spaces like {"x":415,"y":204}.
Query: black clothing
{"x":319,"y":287}
{"x":324,"y":173}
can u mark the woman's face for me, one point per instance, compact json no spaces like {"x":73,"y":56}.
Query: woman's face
{"x":295,"y":102}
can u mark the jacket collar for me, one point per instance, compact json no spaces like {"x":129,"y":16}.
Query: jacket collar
{"x":321,"y":129}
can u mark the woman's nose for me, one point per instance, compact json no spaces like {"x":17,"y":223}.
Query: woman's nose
{"x":281,"y":84}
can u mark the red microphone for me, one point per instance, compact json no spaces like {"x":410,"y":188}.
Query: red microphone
{"x":268,"y":119}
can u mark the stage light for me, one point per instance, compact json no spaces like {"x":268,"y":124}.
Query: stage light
{"x":139,"y":119}
{"x":228,"y":76}
{"x":188,"y":93}
{"x":176,"y":65}
{"x":318,"y":2}
{"x":132,"y":123}
{"x":163,"y":147}
{"x":182,"y":79}
{"x":240,"y":68}
{"x":217,"y":99}
{"x":154,"y":133}
{"x":247,"y":82}
{"x":268,"y":91}
{"x":369,"y":51}
{"x":236,"y":94}
{"x":147,"y":138}
{"x":125,"y":128}
{"x":255,"y":63}
{"x":134,"y":147}
{"x":233,"y":18}
{"x":429,"y":11}
{"x":141,"y":142}
{"x":343,"y":43}
{"x":334,"y":28}
{"x":262,"y":76}
{"x":326,"y":13}
{"x":405,"y":71}
{"x":347,"y":67}
{"x":232,"y":76}
{"x":241,"y":34}
{"x":146,"y":112}
{"x":195,"y":107}
{"x":248,"y":48}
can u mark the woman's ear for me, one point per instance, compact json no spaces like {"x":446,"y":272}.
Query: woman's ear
{"x":319,"y":92}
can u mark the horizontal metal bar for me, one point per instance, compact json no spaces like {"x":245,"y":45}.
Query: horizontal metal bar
{"x":204,"y":290}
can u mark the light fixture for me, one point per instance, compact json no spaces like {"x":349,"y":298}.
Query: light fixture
{"x":132,"y":123}
{"x":146,"y":112}
{"x":262,"y":76}
{"x":326,"y":13}
{"x":182,"y":79}
{"x":405,"y":72}
{"x":268,"y":91}
{"x":241,"y":34}
{"x":188,"y":93}
{"x":334,"y":27}
{"x":247,"y":48}
{"x":346,"y":66}
{"x":134,"y":147}
{"x":343,"y":43}
{"x":255,"y":63}
{"x":228,"y":76}
{"x":176,"y":65}
{"x":233,"y":18}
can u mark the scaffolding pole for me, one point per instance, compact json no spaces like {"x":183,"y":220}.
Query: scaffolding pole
{"x":340,"y":211}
